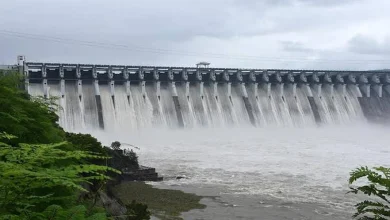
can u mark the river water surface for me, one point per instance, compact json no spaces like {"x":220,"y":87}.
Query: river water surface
{"x":263,"y":173}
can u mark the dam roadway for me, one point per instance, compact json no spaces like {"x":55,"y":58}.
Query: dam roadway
{"x":371,"y":89}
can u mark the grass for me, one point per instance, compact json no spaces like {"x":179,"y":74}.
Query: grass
{"x":163,"y":203}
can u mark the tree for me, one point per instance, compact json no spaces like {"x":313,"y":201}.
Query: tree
{"x":116,"y":145}
{"x":36,"y":176}
{"x":30,"y":121}
{"x":378,"y":185}
{"x":86,"y":142}
{"x":131,"y":160}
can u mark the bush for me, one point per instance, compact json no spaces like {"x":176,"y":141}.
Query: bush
{"x":137,"y":211}
{"x":122,"y":159}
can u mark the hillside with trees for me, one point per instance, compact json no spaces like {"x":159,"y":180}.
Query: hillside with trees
{"x":46,"y":173}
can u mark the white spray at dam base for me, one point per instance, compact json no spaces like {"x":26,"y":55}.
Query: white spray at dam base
{"x":286,"y":156}
{"x":136,"y":107}
{"x":295,"y":165}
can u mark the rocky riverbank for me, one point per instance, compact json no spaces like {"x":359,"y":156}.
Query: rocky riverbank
{"x":163,"y":203}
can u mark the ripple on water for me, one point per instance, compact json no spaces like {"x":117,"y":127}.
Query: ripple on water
{"x":293,"y":164}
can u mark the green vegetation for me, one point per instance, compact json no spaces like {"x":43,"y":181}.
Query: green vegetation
{"x":46,"y":173}
{"x":138,"y":211}
{"x":163,"y":203}
{"x":36,"y":179}
{"x":41,"y":175}
{"x":85,"y":142}
{"x":122,"y":159}
{"x":31,"y":122}
{"x":117,"y":158}
{"x":377,"y":184}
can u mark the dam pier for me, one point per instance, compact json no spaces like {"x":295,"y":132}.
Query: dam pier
{"x":122,"y":97}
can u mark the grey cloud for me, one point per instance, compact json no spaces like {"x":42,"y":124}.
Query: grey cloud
{"x":292,"y":46}
{"x":329,"y":2}
{"x":175,"y":20}
{"x":315,"y":3}
{"x":362,"y":44}
{"x":245,"y":27}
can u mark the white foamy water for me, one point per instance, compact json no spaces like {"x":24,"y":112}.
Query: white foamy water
{"x":305,"y":165}
{"x":217,"y":106}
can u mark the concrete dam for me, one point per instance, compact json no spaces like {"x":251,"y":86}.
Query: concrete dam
{"x":113,"y":97}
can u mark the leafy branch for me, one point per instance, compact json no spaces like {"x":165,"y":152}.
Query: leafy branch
{"x":377,"y":185}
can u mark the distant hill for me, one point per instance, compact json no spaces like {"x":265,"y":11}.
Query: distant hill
{"x":382,"y":70}
{"x":8,"y":67}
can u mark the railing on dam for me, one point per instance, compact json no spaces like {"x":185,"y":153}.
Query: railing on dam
{"x":39,"y":71}
{"x":365,"y":80}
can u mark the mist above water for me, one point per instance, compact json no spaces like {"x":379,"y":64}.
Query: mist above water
{"x":296,"y":165}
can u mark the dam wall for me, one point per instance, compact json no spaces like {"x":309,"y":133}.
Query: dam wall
{"x":113,"y":97}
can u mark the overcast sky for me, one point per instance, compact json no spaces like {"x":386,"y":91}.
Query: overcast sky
{"x":315,"y":34}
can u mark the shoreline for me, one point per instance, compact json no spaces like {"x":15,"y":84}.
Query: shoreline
{"x":222,"y":205}
{"x":165,"y":204}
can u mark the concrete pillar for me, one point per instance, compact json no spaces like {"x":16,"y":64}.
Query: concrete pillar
{"x":307,"y":89}
{"x":99,"y":104}
{"x":96,"y":85}
{"x":365,"y":90}
{"x":112,"y":88}
{"x":178,"y":111}
{"x":254,"y":88}
{"x":294,"y":89}
{"x":215,"y":90}
{"x":44,"y":73}
{"x":330,"y":89}
{"x":100,"y":111}
{"x":314,"y":108}
{"x":342,"y":88}
{"x":27,"y":85}
{"x":94,"y":72}
{"x":62,"y":88}
{"x":158,"y":89}
{"x":248,"y":105}
{"x":177,"y":105}
{"x":61,"y":70}
{"x":128,"y":91}
{"x":112,"y":91}
{"x":143,"y":89}
{"x":229,"y":89}
{"x":230,"y":92}
{"x":79,"y":89}
{"x":280,"y":88}
{"x":173,"y":89}
{"x":313,"y":104}
{"x":387,"y":89}
{"x":378,"y":89}
{"x":201,"y":89}
{"x":243,"y":90}
{"x":188,"y":90}
{"x":78,"y":72}
{"x":45,"y":89}
{"x":317,"y":89}
{"x":355,"y":89}
{"x":268,"y":89}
